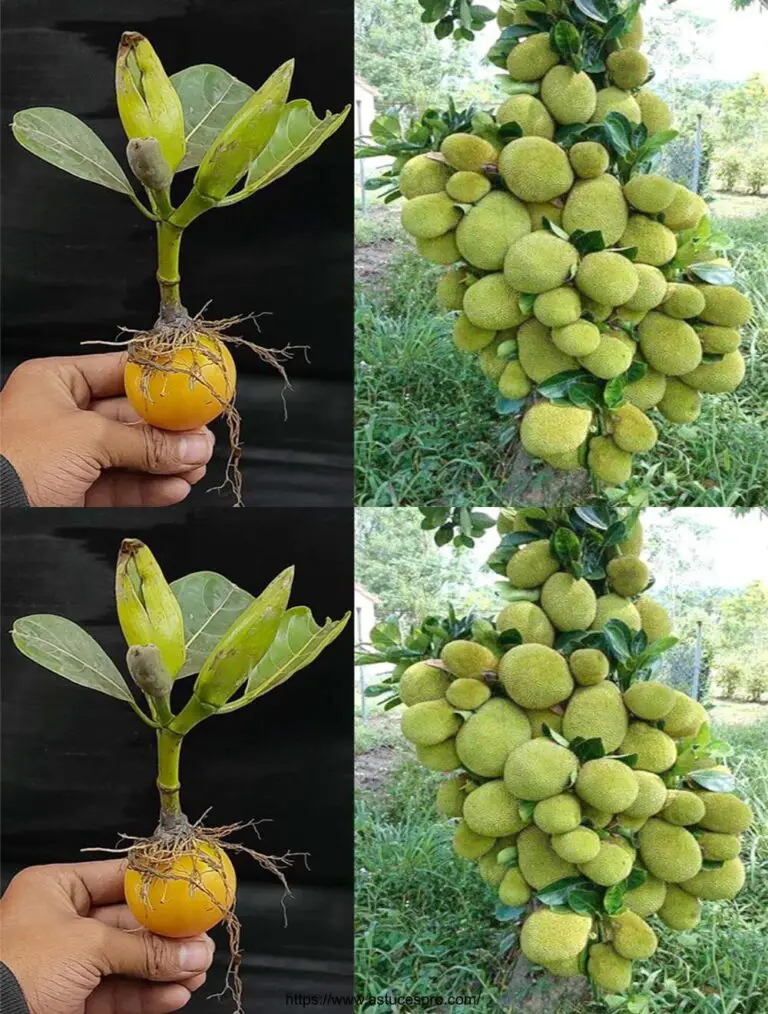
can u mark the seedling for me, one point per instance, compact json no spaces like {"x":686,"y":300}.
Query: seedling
{"x":179,"y":374}
{"x":180,"y":881}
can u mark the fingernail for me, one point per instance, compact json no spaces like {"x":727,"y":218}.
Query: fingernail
{"x":194,"y":449}
{"x":194,"y":957}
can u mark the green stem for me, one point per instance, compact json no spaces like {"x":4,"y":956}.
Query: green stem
{"x":193,"y":712}
{"x":168,"y":785}
{"x":168,"y":247}
{"x":193,"y":205}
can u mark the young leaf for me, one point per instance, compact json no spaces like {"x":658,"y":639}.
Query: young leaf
{"x":714,"y":274}
{"x":65,"y":648}
{"x":62,"y":139}
{"x":715,"y":781}
{"x":299,"y":133}
{"x":210,"y":97}
{"x":210,"y":604}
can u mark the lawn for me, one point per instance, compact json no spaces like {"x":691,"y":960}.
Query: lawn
{"x":427,"y":431}
{"x":425,"y":921}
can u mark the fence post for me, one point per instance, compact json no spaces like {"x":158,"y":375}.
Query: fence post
{"x":360,"y":161}
{"x":697,"y":155}
{"x":697,"y":662}
{"x":360,"y":674}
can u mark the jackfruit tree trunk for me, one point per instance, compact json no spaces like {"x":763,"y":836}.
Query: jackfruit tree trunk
{"x":527,"y":993}
{"x":531,"y":484}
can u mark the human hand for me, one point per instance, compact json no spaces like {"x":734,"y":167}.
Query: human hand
{"x":74,"y":441}
{"x":75,"y":948}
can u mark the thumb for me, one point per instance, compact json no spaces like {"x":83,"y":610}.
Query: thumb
{"x":142,"y":448}
{"x":158,"y":959}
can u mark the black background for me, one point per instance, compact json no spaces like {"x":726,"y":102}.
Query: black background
{"x":79,"y":260}
{"x":78,"y":767}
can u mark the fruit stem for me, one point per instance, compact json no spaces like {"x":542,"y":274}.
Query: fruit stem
{"x":168,"y":785}
{"x":168,"y":247}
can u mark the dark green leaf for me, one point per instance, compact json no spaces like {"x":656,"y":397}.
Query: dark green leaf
{"x":587,"y":242}
{"x":588,"y":749}
{"x":557,"y":893}
{"x":509,"y":406}
{"x":510,"y":638}
{"x":506,"y":913}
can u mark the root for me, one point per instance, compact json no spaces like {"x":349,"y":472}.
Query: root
{"x":153,"y":857}
{"x":153,"y":350}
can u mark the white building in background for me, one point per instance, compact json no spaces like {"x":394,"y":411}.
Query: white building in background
{"x":365,"y":106}
{"x":365,"y":614}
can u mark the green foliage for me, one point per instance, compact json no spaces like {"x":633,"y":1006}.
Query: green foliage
{"x":459,"y":18}
{"x":467,"y":525}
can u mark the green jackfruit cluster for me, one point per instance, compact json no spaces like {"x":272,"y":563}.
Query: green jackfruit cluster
{"x":531,"y":622}
{"x":597,"y":712}
{"x":535,"y":676}
{"x":423,"y":682}
{"x":467,"y":659}
{"x":487,"y":737}
{"x":588,"y":665}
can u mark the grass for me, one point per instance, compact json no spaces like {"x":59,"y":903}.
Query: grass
{"x":427,"y":429}
{"x":425,"y":923}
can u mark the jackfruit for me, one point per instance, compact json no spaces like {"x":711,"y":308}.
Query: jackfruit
{"x":649,"y":700}
{"x":513,"y":382}
{"x":468,"y":152}
{"x":597,"y":312}
{"x":568,"y":461}
{"x":628,"y":68}
{"x":513,"y":889}
{"x":648,"y":898}
{"x":719,"y":340}
{"x":467,"y":694}
{"x":654,"y":111}
{"x":450,"y":796}
{"x":423,"y":175}
{"x":718,"y":847}
{"x":609,"y":463}
{"x":683,"y":301}
{"x":594,"y":816}
{"x":685,"y":719}
{"x":634,"y":35}
{"x":538,"y":769}
{"x":490,"y":362}
{"x":588,"y":665}
{"x":467,"y":187}
{"x":538,"y":861}
{"x":442,"y":757}
{"x":535,"y":169}
{"x":725,"y":813}
{"x":651,"y":289}
{"x":469,"y":845}
{"x":467,"y":659}
{"x":633,"y":432}
{"x":529,"y":114}
{"x":531,"y":58}
{"x":558,"y":814}
{"x":429,"y":216}
{"x":422,"y":682}
{"x":491,"y":304}
{"x":488,"y":866}
{"x":656,"y":244}
{"x":633,"y":541}
{"x":490,"y":811}
{"x":588,"y":159}
{"x":597,"y":713}
{"x":615,"y":100}
{"x":608,"y":277}
{"x":651,"y":797}
{"x":539,"y":356}
{"x":633,"y":938}
{"x":598,"y":204}
{"x":655,"y":750}
{"x":429,"y":723}
{"x":529,"y":620}
{"x":680,"y":403}
{"x":680,"y":911}
{"x":686,"y":210}
{"x":725,"y":306}
{"x":441,"y":250}
{"x":682,"y":808}
{"x":541,"y":717}
{"x":486,"y":738}
{"x":539,"y":210}
{"x":649,"y":193}
{"x":671,"y":346}
{"x":535,"y":676}
{"x":558,"y":308}
{"x":720,"y":884}
{"x":549,"y":936}
{"x":614,"y":607}
{"x":486,"y":231}
{"x":628,"y":576}
{"x":624,"y":316}
{"x":717,"y":378}
{"x":669,"y":852}
{"x":646,"y":392}
{"x":469,"y":338}
{"x":539,"y":262}
{"x":570,"y":96}
{"x":610,"y":866}
{"x":451,"y":288}
{"x":607,"y":784}
{"x":553,"y":429}
{"x":608,"y":970}
{"x":579,"y":338}
{"x":567,"y":968}
{"x":531,"y":565}
{"x":656,"y":622}
{"x":577,"y":846}
{"x":569,"y":603}
{"x":611,"y":358}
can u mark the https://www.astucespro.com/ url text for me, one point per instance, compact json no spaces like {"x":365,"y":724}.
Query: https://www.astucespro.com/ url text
{"x":391,"y":1000}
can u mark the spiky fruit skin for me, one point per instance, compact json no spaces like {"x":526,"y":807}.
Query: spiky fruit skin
{"x":655,"y":620}
{"x":451,"y":288}
{"x":558,"y":814}
{"x":429,"y":216}
{"x":535,"y":169}
{"x":597,"y":204}
{"x":552,"y":429}
{"x":539,"y":357}
{"x":607,"y":276}
{"x":628,"y":575}
{"x":570,"y":96}
{"x":649,"y":193}
{"x":651,"y":289}
{"x":538,"y":769}
{"x":649,"y":700}
{"x":422,"y":682}
{"x":539,"y":210}
{"x":423,"y":175}
{"x":656,"y":244}
{"x":596,"y":713}
{"x":669,"y":852}
{"x":441,"y":757}
{"x":616,"y":100}
{"x":530,"y":114}
{"x":485,"y":740}
{"x":557,"y":308}
{"x":491,"y":304}
{"x":719,"y":847}
{"x":490,"y":811}
{"x":725,"y":306}
{"x":648,"y":898}
{"x":449,"y":800}
{"x":680,"y":403}
{"x":719,"y":340}
{"x":513,"y":889}
{"x":532,"y":58}
{"x":468,"y":152}
{"x":685,"y":719}
{"x":541,"y":717}
{"x":680,"y":911}
{"x":467,"y":187}
{"x":588,"y":665}
{"x":609,"y":970}
{"x":569,"y":603}
{"x":608,"y":462}
{"x":670,"y":346}
{"x":580,"y":845}
{"x":539,"y":262}
{"x":467,"y":694}
{"x":513,"y":382}
{"x":633,"y":938}
{"x":721,"y":884}
{"x":485,"y":233}
{"x":535,"y":676}
{"x":549,"y":936}
{"x":607,"y":784}
{"x":579,"y":338}
{"x":429,"y":723}
{"x":655,"y":114}
{"x":725,"y":813}
{"x":589,"y":159}
{"x":610,"y":866}
{"x":441,"y":250}
{"x":468,"y":337}
{"x":633,"y":431}
{"x":538,"y":861}
{"x":651,"y":797}
{"x":611,"y":358}
{"x":718,"y":378}
{"x":683,"y":301}
{"x":467,"y":659}
{"x":682,"y":808}
{"x":491,"y":871}
{"x":532,"y":564}
{"x":656,"y":751}
{"x":469,"y":845}
{"x":628,"y":68}
{"x":614,"y":607}
{"x":529,"y":620}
